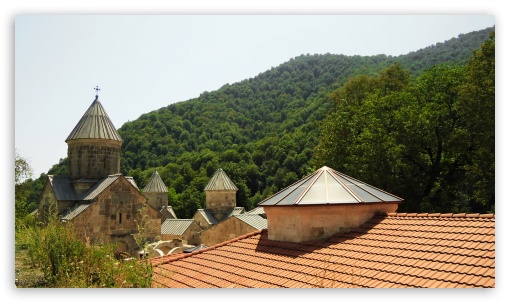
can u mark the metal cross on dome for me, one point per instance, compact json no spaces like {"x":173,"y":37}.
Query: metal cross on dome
{"x":97,"y":89}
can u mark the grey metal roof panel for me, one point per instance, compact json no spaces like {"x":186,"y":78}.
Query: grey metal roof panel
{"x":155,"y":184}
{"x":235,"y":211}
{"x":94,"y":124}
{"x":220,"y":181}
{"x":257,"y":211}
{"x":255,"y":221}
{"x":208,"y":216}
{"x":75,"y":211}
{"x":99,"y":187}
{"x":175,"y":226}
{"x":327,"y":186}
{"x":62,"y":188}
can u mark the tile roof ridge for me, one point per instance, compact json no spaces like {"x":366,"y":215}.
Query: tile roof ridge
{"x":448,"y":215}
{"x":179,"y":257}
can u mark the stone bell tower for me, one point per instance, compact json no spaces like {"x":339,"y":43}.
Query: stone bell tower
{"x":93,"y":148}
{"x":156,"y":191}
{"x":220,"y":193}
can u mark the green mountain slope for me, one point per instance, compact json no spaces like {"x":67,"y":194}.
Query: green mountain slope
{"x":262,"y":131}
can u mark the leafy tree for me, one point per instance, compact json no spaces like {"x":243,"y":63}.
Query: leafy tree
{"x":22,"y":170}
{"x":477,"y":107}
{"x":417,"y":139}
{"x":68,"y":262}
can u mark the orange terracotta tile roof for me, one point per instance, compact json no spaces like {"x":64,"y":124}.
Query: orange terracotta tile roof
{"x":392,"y":250}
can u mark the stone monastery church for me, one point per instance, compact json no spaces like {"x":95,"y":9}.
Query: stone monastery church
{"x":104,"y":206}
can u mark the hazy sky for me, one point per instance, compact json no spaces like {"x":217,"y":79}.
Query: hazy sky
{"x":142,"y":63}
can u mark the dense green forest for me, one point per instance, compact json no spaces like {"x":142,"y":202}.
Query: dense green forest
{"x":265,"y":131}
{"x":429,"y":139}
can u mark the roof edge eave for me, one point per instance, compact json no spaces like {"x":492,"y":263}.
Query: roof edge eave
{"x":325,"y":204}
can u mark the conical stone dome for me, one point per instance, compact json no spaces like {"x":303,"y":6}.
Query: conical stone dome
{"x":156,"y":192}
{"x":220,"y":181}
{"x":95,"y":124}
{"x":94,"y":145}
{"x":220,"y":193}
{"x":155,"y":184}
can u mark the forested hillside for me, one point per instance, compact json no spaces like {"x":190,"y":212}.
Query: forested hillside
{"x":262,"y":131}
{"x":429,"y":139}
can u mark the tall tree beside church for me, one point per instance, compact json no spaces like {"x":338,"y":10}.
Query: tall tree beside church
{"x":477,"y":105}
{"x":424,"y":139}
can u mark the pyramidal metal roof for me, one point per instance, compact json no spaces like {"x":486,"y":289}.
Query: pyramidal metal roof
{"x":327,"y":186}
{"x":155,"y":184}
{"x":95,"y":124}
{"x":220,"y":181}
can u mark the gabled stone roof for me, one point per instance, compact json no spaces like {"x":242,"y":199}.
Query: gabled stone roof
{"x":95,"y":124}
{"x":155,"y":184}
{"x":170,"y":210}
{"x":62,"y":188}
{"x":220,"y":181}
{"x":71,"y":213}
{"x":327,"y":186}
{"x":235,"y":211}
{"x":396,"y":250}
{"x":208,"y":216}
{"x":100,"y":187}
{"x":64,"y":191}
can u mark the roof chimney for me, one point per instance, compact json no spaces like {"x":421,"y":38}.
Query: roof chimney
{"x":322,"y":204}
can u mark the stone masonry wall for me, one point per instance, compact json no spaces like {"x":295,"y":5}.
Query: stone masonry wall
{"x":93,"y":158}
{"x":304,"y":223}
{"x":201,"y":220}
{"x":157,"y":200}
{"x":112,"y":216}
{"x":224,"y":231}
{"x":47,"y":204}
{"x":220,"y":201}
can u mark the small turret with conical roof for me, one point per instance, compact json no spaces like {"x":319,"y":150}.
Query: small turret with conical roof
{"x":156,"y":191}
{"x":93,"y":146}
{"x":220,"y":193}
{"x":322,"y":204}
